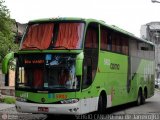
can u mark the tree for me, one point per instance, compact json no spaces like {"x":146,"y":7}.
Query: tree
{"x":6,"y":31}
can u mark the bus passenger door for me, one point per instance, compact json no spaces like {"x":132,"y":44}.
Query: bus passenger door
{"x":86,"y":85}
{"x":90,"y":67}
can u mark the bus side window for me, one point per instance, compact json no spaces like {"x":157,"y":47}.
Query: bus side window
{"x":104,"y":38}
{"x":113,"y":42}
{"x":118,"y":44}
{"x":91,"y":39}
{"x":124,"y":45}
{"x":109,"y":45}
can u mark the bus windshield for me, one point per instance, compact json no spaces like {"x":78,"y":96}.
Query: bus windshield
{"x":47,"y":72}
{"x":58,"y":35}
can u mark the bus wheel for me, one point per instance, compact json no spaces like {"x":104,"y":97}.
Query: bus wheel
{"x":144,"y":96}
{"x":139,"y":98}
{"x":102,"y":104}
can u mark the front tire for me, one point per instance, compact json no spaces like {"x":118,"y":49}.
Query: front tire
{"x":102,"y":104}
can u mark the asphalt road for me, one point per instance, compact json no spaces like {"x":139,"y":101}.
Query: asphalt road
{"x":148,"y":111}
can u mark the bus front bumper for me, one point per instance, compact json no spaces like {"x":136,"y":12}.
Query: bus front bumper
{"x":70,"y":109}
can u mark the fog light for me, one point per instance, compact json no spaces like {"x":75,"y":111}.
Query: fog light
{"x":70,"y":110}
{"x":75,"y":109}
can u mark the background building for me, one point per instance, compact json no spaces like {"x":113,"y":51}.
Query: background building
{"x":151,"y":32}
{"x":18,"y":29}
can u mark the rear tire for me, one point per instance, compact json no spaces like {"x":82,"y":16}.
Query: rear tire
{"x":139,"y":98}
{"x":144,"y":97}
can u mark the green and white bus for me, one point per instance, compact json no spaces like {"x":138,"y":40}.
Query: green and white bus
{"x":77,"y":66}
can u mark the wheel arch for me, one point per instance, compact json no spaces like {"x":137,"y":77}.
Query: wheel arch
{"x":102,"y":102}
{"x":139,"y":90}
{"x":102,"y":92}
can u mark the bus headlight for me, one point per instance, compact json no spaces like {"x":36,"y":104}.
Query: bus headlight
{"x":21,"y":99}
{"x":69,"y":101}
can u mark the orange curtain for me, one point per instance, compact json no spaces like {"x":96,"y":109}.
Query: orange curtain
{"x":91,"y":39}
{"x":38,"y":78}
{"x":124,"y":46}
{"x":113,"y":42}
{"x":88,"y":43}
{"x":94,"y":38}
{"x":68,"y":35}
{"x":39,"y":35}
{"x":103,"y":39}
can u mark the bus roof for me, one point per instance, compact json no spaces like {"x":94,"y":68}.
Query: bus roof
{"x":113,"y":27}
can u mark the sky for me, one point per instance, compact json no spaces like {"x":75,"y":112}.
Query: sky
{"x":126,"y":14}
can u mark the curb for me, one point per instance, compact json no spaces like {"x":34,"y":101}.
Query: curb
{"x":6,"y":106}
{"x":157,"y":89}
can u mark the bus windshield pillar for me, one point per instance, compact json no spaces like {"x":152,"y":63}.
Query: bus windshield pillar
{"x":79,"y":62}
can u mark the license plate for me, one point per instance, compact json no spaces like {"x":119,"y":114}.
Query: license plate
{"x":43,"y":109}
